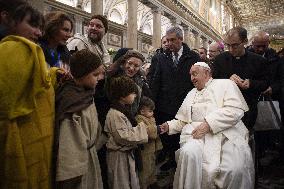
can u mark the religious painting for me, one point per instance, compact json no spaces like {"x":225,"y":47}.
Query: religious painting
{"x":114,"y":40}
{"x":146,"y":48}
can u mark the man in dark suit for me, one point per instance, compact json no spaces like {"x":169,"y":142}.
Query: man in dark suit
{"x":170,"y":84}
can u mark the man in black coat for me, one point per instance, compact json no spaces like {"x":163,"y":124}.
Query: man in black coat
{"x":259,"y":46}
{"x":248,"y":70}
{"x":170,"y":84}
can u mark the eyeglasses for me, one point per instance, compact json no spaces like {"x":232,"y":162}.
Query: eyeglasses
{"x":234,"y":45}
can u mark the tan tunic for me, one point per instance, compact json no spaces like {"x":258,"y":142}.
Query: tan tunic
{"x":147,"y":175}
{"x":77,"y":154}
{"x":122,"y":139}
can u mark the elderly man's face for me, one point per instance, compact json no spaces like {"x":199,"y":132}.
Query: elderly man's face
{"x":260,"y":46}
{"x":96,"y":30}
{"x":235,"y":45}
{"x":174,"y":42}
{"x":213,"y":51}
{"x":199,"y":76}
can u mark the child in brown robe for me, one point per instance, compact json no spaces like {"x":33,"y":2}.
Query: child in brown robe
{"x":124,"y":135}
{"x":147,"y":175}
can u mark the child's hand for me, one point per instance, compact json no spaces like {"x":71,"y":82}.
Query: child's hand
{"x":164,"y":128}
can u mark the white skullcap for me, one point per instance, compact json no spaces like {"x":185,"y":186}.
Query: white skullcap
{"x":202,"y":64}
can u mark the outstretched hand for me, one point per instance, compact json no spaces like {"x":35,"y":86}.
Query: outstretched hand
{"x":164,"y":128}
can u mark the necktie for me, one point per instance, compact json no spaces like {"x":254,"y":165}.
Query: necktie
{"x":176,"y":58}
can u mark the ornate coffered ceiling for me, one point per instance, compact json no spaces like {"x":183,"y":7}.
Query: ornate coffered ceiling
{"x":265,"y":15}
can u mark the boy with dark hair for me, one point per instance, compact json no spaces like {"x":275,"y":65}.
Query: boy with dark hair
{"x":78,"y":131}
{"x":124,"y":134}
{"x":7,"y":9}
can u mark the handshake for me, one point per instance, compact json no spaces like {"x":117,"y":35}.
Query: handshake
{"x":163,"y":128}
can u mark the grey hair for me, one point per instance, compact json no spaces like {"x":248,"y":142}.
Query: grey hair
{"x":176,"y":30}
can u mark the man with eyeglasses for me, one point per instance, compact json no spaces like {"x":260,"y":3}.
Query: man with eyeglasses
{"x":246,"y":69}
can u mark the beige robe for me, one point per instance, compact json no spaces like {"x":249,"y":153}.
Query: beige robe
{"x":222,"y":158}
{"x":147,"y":175}
{"x":80,"y":42}
{"x":77,"y":154}
{"x":123,"y":138}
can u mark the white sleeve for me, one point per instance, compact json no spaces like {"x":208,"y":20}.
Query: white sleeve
{"x":175,"y":126}
{"x":230,"y":113}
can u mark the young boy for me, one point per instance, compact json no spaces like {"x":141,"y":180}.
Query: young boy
{"x":123,"y":135}
{"x":147,"y":175}
{"x":77,"y":127}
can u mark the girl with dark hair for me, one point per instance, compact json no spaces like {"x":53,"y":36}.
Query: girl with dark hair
{"x":28,"y":22}
{"x":123,"y":135}
{"x":58,"y":28}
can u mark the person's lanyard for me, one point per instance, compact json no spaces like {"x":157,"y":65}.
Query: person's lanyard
{"x":55,"y":58}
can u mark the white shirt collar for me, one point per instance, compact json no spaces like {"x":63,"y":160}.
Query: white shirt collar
{"x":179,"y":52}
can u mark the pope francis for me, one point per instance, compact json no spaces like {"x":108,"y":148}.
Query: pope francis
{"x":214,"y":151}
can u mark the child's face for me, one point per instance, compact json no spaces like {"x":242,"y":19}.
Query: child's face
{"x":90,"y":81}
{"x":128,"y":99}
{"x":147,"y":112}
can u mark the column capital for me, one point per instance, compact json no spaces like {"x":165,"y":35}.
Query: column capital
{"x":157,"y":10}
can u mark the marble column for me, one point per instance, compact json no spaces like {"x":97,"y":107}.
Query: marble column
{"x":186,"y":37}
{"x":78,"y":26}
{"x":156,"y":38}
{"x":139,"y":43}
{"x":205,"y":42}
{"x":132,"y":24}
{"x":196,"y":40}
{"x":124,"y":39}
{"x":97,"y":7}
{"x":38,"y":4}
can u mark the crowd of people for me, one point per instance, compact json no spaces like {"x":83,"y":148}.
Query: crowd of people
{"x":71,"y":117}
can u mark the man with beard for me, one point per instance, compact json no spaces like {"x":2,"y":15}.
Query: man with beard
{"x":96,"y":30}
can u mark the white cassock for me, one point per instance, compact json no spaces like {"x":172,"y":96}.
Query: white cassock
{"x":221,"y":159}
